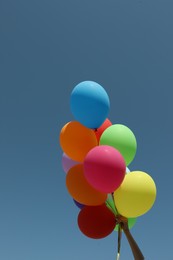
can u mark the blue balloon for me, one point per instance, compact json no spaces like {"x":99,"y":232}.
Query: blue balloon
{"x":79,"y":205}
{"x":89,"y":104}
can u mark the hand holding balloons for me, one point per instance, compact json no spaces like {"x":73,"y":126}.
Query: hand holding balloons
{"x":95,"y":157}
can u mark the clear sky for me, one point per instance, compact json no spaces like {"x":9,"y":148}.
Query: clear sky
{"x":46,"y":48}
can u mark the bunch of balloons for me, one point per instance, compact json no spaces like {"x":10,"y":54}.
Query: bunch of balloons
{"x":96,"y":156}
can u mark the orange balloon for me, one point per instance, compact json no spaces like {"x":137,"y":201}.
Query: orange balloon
{"x":77,"y":140}
{"x":81,"y":190}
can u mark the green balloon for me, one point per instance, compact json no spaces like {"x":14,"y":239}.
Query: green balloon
{"x":131,"y":223}
{"x":121,"y":138}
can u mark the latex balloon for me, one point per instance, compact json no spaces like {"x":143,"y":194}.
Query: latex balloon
{"x":127,"y":170}
{"x":122,"y":138}
{"x":104,"y":168}
{"x":96,"y":221}
{"x":131,"y":223}
{"x":89,"y":104}
{"x":77,"y":140}
{"x":102,"y":128}
{"x":136,"y":195}
{"x":79,"y":205}
{"x":67,"y":162}
{"x":80,"y":189}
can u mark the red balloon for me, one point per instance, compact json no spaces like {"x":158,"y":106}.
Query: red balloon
{"x":102,"y":128}
{"x":96,"y":221}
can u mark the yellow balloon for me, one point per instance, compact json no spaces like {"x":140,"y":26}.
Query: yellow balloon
{"x":136,"y":195}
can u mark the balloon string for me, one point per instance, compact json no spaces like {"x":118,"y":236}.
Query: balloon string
{"x":118,"y":257}
{"x":119,"y":231}
{"x":119,"y":241}
{"x":114,"y":204}
{"x":119,"y":238}
{"x":108,"y":203}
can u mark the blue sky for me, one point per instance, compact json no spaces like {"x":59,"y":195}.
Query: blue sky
{"x":46,"y":48}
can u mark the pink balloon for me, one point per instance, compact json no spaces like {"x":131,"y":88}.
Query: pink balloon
{"x":104,"y":168}
{"x":67,"y":162}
